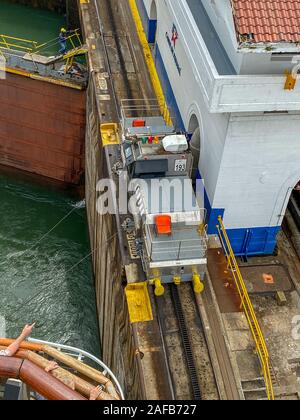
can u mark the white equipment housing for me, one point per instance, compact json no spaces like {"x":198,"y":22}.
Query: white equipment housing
{"x":175,"y":144}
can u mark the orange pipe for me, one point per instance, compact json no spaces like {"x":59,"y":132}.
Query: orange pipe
{"x":37,"y":379}
{"x":81,"y":386}
{"x":83,"y":369}
{"x":10,"y":367}
{"x":5,"y":342}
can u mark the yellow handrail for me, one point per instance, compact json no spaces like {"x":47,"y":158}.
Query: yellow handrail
{"x":246,"y":305}
{"x":150,"y":63}
{"x":12,"y":43}
{"x":71,"y":38}
{"x":29,"y":46}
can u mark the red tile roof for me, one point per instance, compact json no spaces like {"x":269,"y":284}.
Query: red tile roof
{"x":268,"y":20}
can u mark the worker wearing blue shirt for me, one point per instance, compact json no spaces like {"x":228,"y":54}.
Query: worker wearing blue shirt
{"x":63,"y":40}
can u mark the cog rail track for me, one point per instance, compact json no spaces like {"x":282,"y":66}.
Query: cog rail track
{"x":191,"y":374}
{"x":189,"y":355}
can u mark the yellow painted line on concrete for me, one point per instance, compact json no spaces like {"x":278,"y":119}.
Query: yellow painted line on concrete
{"x":150,"y":63}
{"x":57,"y":82}
{"x":15,"y":71}
{"x":42,"y":78}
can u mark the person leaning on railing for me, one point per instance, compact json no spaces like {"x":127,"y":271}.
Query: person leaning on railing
{"x":62,"y":37}
{"x":14,"y":347}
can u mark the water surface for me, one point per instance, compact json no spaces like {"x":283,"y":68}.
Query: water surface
{"x":43,"y":280}
{"x":29,"y":23}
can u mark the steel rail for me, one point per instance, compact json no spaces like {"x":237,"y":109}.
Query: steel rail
{"x":163,"y":340}
{"x":222,"y":367}
{"x":186,"y":342}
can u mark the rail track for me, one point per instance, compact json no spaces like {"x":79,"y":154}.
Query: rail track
{"x":223,"y":362}
{"x":187,"y":353}
{"x":125,"y":63}
{"x":187,"y":367}
{"x":187,"y":345}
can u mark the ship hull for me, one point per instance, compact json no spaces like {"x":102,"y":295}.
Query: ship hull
{"x":42,"y":128}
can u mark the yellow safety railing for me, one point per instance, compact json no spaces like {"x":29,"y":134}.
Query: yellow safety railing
{"x":74,"y":39}
{"x":150,"y":63}
{"x":34,"y":47}
{"x":13,"y":43}
{"x":246,"y":305}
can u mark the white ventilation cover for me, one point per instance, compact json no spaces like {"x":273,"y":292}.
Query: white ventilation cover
{"x":175,"y":144}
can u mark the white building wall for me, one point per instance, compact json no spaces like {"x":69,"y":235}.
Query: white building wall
{"x":262,"y":63}
{"x":260,"y":166}
{"x":220,"y":14}
{"x":147,"y":4}
{"x":247,"y":62}
{"x":189,"y":97}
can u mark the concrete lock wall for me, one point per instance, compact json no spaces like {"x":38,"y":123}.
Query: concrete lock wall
{"x":117,"y":341}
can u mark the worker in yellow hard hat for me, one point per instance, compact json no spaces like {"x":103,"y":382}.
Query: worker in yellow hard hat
{"x":63,"y":40}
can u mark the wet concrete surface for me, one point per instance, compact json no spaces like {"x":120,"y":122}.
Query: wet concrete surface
{"x":267,"y":279}
{"x":223,"y":282}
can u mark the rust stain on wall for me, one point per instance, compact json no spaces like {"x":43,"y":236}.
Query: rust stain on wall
{"x":42,"y":128}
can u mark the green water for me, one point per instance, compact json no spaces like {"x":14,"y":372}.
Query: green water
{"x":30,"y":23}
{"x":43,"y":282}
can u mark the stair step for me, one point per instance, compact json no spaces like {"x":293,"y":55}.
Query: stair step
{"x":255,"y":394}
{"x":254,"y":389}
{"x":264,"y":389}
{"x":257,"y":383}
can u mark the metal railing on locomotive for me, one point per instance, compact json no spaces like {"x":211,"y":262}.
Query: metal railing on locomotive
{"x":145,"y":108}
{"x":176,"y":249}
{"x":85,"y":357}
